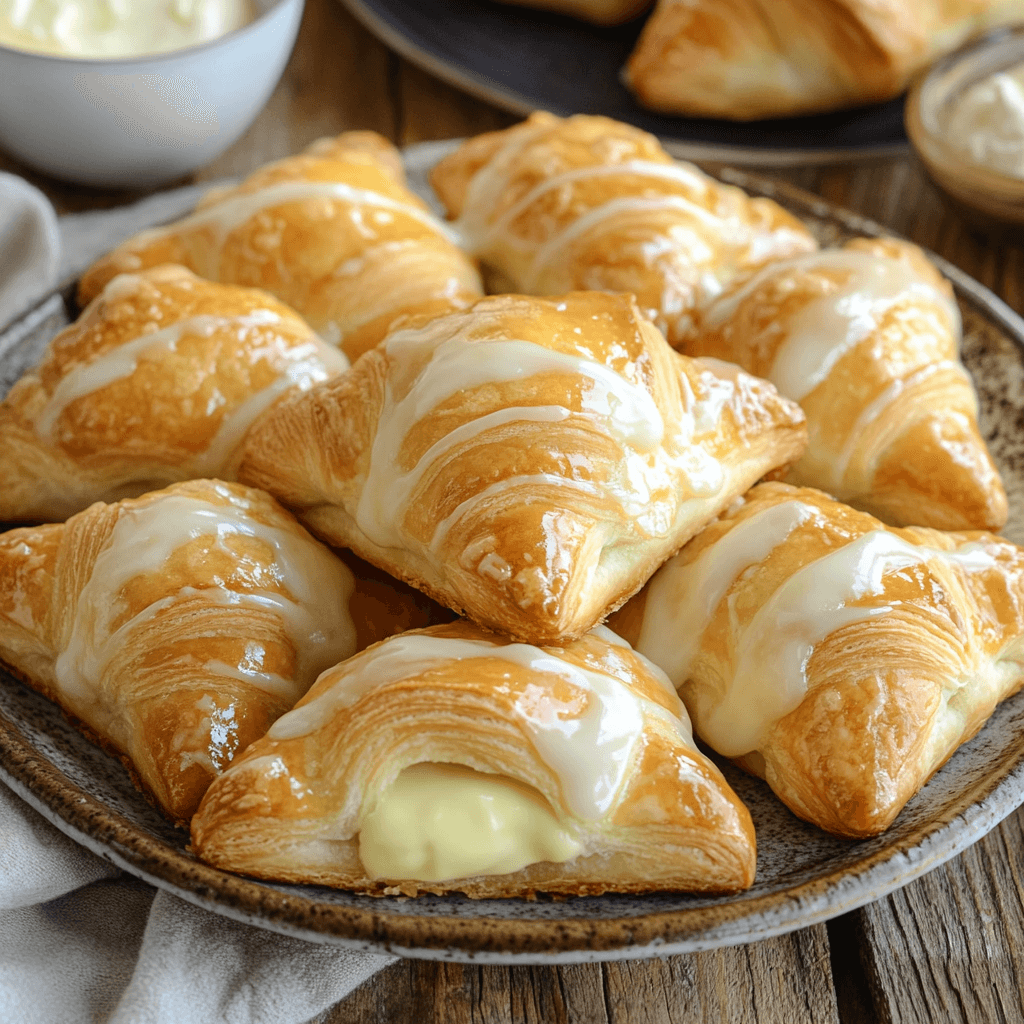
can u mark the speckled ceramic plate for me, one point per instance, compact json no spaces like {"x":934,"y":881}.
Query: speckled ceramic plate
{"x":803,"y":875}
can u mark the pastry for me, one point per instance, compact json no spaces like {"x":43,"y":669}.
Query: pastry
{"x":527,"y":462}
{"x":866,"y":338}
{"x":552,"y":205}
{"x":157,"y":381}
{"x":175,"y":627}
{"x":598,"y":12}
{"x":749,"y":59}
{"x":449,"y":759}
{"x":841,"y":660}
{"x":334,"y":232}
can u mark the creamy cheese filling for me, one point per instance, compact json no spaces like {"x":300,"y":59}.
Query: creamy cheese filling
{"x":443,"y":821}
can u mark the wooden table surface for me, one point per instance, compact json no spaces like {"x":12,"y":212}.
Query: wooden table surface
{"x":948,"y":948}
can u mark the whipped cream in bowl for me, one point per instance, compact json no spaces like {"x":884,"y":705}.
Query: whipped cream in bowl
{"x":965,"y":119}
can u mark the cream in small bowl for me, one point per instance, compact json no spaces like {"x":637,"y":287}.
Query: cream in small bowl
{"x":118,"y":28}
{"x":83,"y":97}
{"x":965,"y":118}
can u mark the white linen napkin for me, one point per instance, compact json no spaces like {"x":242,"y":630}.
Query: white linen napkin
{"x":29,"y":246}
{"x":81,"y":942}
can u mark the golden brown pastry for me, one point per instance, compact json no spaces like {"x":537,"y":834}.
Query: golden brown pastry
{"x":450,"y":759}
{"x":157,"y":381}
{"x":527,"y":462}
{"x":866,"y":338}
{"x":842,"y":660}
{"x":748,"y":59}
{"x":598,"y":12}
{"x":174,"y":627}
{"x":554,"y":205}
{"x":334,"y":232}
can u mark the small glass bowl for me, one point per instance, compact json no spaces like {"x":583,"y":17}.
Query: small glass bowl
{"x":990,"y":196}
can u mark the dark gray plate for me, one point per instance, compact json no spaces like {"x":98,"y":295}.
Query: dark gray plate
{"x":804,"y":876}
{"x":525,"y":60}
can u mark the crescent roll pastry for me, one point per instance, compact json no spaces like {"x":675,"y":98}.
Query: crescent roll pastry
{"x":840,"y":659}
{"x":174,"y":627}
{"x":450,"y":759}
{"x":748,"y":59}
{"x":334,"y":232}
{"x":867,"y":339}
{"x":527,"y":462}
{"x":584,"y":202}
{"x":157,"y":381}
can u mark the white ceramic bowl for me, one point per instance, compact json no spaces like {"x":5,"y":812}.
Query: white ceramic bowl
{"x":139,"y":122}
{"x":986,"y":196}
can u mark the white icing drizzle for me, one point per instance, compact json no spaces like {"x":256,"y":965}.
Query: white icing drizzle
{"x":682,"y":598}
{"x":227,"y":214}
{"x":827,"y":327}
{"x":772,"y":653}
{"x":599,"y":215}
{"x":480,"y":236}
{"x":590,"y":752}
{"x":887,"y":397}
{"x":626,"y":411}
{"x":315,"y":617}
{"x":304,"y":365}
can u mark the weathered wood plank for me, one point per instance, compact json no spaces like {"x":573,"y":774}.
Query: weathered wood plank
{"x":950,"y":946}
{"x":784,"y":979}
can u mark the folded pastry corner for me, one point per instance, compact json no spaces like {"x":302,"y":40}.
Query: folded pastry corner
{"x":334,"y":232}
{"x":867,"y":339}
{"x":174,"y":628}
{"x":527,"y":462}
{"x":842,"y":660}
{"x":452,"y":760}
{"x":553,"y":205}
{"x":157,"y":381}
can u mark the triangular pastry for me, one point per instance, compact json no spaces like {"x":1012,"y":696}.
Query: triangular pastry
{"x":174,"y":627}
{"x":752,"y":59}
{"x":333,"y":231}
{"x":527,"y":462}
{"x":157,"y":381}
{"x":840,"y":659}
{"x":554,"y":205}
{"x":450,"y":759}
{"x":866,"y":338}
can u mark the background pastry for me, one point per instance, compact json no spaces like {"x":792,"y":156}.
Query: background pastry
{"x":867,"y":339}
{"x":174,"y":627}
{"x":574,"y":767}
{"x":841,"y":660}
{"x":748,"y":59}
{"x":157,"y":381}
{"x":554,"y":205}
{"x":527,"y":462}
{"x":334,"y":232}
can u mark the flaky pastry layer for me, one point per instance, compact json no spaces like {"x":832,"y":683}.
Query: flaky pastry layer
{"x":334,"y":232}
{"x":649,"y":811}
{"x":553,"y":205}
{"x":840,"y":659}
{"x":528,"y":462}
{"x":867,"y":339}
{"x":157,"y":381}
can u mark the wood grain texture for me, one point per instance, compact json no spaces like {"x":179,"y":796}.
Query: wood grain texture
{"x":786,"y":980}
{"x":950,"y":947}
